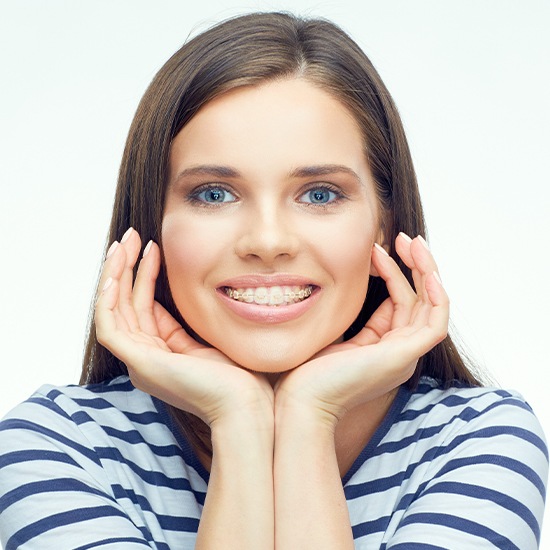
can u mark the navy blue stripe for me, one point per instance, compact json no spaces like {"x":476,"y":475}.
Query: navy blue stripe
{"x":35,"y":529}
{"x":465,"y":415}
{"x":144,"y":418}
{"x":133,"y":437}
{"x":498,"y":460}
{"x":483,"y":493}
{"x":151,"y":477}
{"x":148,"y":417}
{"x":96,"y":403}
{"x":462,"y":525}
{"x":141,"y":501}
{"x":190,"y":458}
{"x":16,"y":457}
{"x":60,"y":485}
{"x":378,"y":485}
{"x":118,"y":540}
{"x":413,"y":546}
{"x":48,"y":404}
{"x":386,"y":483}
{"x":369,"y":527}
{"x":455,"y":400}
{"x":381,"y":484}
{"x":18,"y":424}
{"x":427,"y":433}
{"x":119,"y":384}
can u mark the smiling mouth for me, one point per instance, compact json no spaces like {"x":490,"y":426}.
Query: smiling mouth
{"x":271,"y":295}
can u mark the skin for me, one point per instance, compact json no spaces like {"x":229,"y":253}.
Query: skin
{"x":267,"y":135}
{"x":290,"y":410}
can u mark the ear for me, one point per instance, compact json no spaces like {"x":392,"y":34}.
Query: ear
{"x":381,"y":240}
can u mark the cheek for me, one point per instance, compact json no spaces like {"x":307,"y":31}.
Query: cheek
{"x":187,"y":248}
{"x":182,"y":258}
{"x":347,"y":249}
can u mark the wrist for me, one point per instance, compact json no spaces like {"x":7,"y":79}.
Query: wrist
{"x":248,"y":427}
{"x":303,"y":419}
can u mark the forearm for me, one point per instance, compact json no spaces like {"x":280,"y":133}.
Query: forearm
{"x":238,"y":511}
{"x":310,"y":506}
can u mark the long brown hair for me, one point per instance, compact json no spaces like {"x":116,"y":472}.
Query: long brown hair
{"x":245,"y":51}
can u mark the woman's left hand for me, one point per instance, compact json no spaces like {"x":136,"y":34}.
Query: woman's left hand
{"x":384,"y":354}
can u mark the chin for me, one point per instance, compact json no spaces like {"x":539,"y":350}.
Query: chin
{"x":267,"y":356}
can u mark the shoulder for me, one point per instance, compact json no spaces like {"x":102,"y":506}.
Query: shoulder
{"x":483,"y":412}
{"x":109,"y":402}
{"x":474,"y":422}
{"x":469,"y":463}
{"x":79,"y":420}
{"x":104,"y":454}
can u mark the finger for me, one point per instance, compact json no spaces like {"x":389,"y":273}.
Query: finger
{"x":424,"y":263}
{"x":399,"y":289}
{"x":403,"y":245}
{"x":105,"y":316}
{"x":379,"y":323}
{"x":112,"y":266}
{"x":416,"y":255}
{"x":113,"y":269}
{"x":435,"y":313}
{"x":172,"y":332}
{"x":131,"y":244}
{"x":143,"y":297}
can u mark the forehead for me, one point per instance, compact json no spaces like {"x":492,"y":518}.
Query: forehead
{"x":285,"y":123}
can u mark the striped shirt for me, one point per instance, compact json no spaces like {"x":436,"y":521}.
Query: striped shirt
{"x":104,"y":466}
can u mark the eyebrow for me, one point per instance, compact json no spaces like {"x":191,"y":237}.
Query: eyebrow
{"x":208,"y":170}
{"x":323,"y":170}
{"x":223,"y":172}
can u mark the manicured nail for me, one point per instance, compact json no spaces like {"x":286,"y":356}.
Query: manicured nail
{"x":111,"y":250}
{"x":378,"y":247}
{"x":107,"y":284}
{"x":126,"y":235}
{"x":423,"y":241}
{"x":147,"y":248}
{"x":406,"y":237}
{"x":437,"y":277}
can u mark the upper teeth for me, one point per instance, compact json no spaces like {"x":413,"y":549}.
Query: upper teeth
{"x":271,"y":296}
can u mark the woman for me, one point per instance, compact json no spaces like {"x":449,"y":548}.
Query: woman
{"x":291,"y":384}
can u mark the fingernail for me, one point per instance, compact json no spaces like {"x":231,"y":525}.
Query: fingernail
{"x":112,"y":248}
{"x":423,"y":241}
{"x":147,"y":248}
{"x":437,"y":278}
{"x":126,"y":235}
{"x":378,"y":247}
{"x":107,"y":284}
{"x":406,"y":237}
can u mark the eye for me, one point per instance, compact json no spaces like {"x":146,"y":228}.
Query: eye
{"x":213,"y":195}
{"x":320,"y":195}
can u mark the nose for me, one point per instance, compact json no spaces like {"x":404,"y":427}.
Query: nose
{"x":267,"y":234}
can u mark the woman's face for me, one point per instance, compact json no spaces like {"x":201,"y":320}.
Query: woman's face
{"x":269,"y":222}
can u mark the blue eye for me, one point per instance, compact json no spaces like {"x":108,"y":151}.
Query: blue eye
{"x":214,"y":195}
{"x":319,"y":195}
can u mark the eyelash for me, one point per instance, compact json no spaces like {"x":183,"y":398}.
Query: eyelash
{"x":338,"y":195}
{"x":193,"y":197}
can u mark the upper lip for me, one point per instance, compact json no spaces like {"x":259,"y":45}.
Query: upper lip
{"x":259,"y":280}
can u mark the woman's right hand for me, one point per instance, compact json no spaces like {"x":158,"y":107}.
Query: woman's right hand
{"x":162,"y":359}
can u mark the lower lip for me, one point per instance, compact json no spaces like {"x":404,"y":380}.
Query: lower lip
{"x":269,"y":314}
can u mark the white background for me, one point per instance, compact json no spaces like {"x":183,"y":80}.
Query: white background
{"x":470,"y":77}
